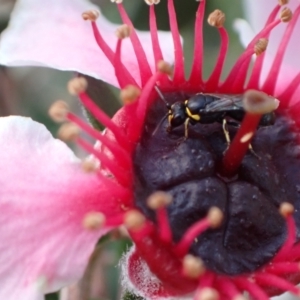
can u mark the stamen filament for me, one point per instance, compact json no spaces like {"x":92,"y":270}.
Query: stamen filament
{"x":270,"y":83}
{"x":289,"y":92}
{"x":110,"y":55}
{"x":122,"y":177}
{"x":179,"y":56}
{"x":164,"y":225}
{"x":145,"y":70}
{"x":196,"y":73}
{"x":283,"y":268}
{"x":121,"y":156}
{"x":254,"y":290}
{"x":104,"y":119}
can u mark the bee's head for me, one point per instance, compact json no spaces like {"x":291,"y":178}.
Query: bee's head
{"x":177,"y":114}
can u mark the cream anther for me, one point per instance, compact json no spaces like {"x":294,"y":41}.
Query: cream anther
{"x":116,"y":1}
{"x":165,"y":67}
{"x":239,"y":297}
{"x":93,"y":220}
{"x":151,"y":2}
{"x":215,"y":217}
{"x":129,"y":94}
{"x":286,"y":209}
{"x":158,"y":200}
{"x":134,"y":220}
{"x":68,"y":132}
{"x":286,"y":14}
{"x":247,"y":137}
{"x":89,"y":165}
{"x":58,"y":111}
{"x":256,"y":102}
{"x":90,"y":15}
{"x":208,"y":294}
{"x":216,"y":18}
{"x":261,"y":46}
{"x":77,"y":85}
{"x":193,"y":267}
{"x":123,"y":31}
{"x":283,"y":2}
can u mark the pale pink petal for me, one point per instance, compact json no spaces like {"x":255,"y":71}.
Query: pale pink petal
{"x":44,"y":197}
{"x":52,"y":33}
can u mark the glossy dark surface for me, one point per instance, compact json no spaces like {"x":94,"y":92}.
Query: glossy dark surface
{"x":253,"y":230}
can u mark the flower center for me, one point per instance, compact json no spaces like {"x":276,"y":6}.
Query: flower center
{"x":253,"y":230}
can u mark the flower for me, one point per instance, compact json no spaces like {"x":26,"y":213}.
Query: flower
{"x":212,"y":208}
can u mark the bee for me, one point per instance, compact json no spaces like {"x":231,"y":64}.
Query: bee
{"x":210,"y":108}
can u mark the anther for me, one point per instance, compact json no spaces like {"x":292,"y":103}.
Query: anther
{"x":58,"y":111}
{"x":256,"y":102}
{"x":216,"y":18}
{"x":193,"y":267}
{"x":208,"y":294}
{"x":239,"y":297}
{"x":283,"y":2}
{"x":158,"y":200}
{"x":123,"y":31}
{"x":215,"y":217}
{"x":77,"y":85}
{"x":68,"y":132}
{"x":93,"y":220}
{"x":134,"y":220}
{"x":129,"y":94}
{"x":151,"y":2}
{"x":164,"y":67}
{"x":261,"y":46}
{"x":116,"y":1}
{"x":89,"y":165}
{"x":286,"y":14}
{"x":286,"y":209}
{"x":90,"y":15}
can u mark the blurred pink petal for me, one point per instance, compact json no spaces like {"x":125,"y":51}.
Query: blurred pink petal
{"x":44,"y":197}
{"x":52,"y":33}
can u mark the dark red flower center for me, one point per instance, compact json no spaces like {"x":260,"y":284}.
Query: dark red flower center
{"x":253,"y":230}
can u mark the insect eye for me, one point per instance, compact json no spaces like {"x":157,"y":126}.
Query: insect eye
{"x":178,"y":119}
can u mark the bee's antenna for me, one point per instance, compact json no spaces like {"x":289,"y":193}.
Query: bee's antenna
{"x":162,"y":96}
{"x":159,"y":124}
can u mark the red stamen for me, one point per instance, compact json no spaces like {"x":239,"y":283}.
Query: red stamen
{"x":254,"y":290}
{"x":240,"y":145}
{"x":291,"y":238}
{"x":274,"y":281}
{"x":179,"y":57}
{"x":227,"y":287}
{"x":240,"y":68}
{"x":288,"y":94}
{"x":165,"y":232}
{"x":187,"y":240}
{"x":282,"y":268}
{"x":270,"y":83}
{"x":105,"y":120}
{"x":154,"y":36}
{"x":256,"y":71}
{"x":122,"y":177}
{"x":145,"y":70}
{"x":213,"y":81}
{"x":120,"y":155}
{"x":123,"y":81}
{"x":196,"y":73}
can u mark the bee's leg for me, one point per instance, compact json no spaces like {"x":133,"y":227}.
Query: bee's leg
{"x":226,"y":132}
{"x":186,"y":128}
{"x":253,"y":152}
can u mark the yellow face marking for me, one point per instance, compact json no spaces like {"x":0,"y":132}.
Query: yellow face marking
{"x":170,"y":117}
{"x":194,"y":117}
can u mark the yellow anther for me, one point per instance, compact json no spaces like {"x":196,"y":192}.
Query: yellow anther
{"x":68,"y":132}
{"x":77,"y":85}
{"x":129,"y":94}
{"x":90,"y":15}
{"x":193,"y":267}
{"x":58,"y":111}
{"x":123,"y":31}
{"x":134,"y":220}
{"x":165,"y":67}
{"x":93,"y":220}
{"x":158,"y":200}
{"x":286,"y":14}
{"x":216,"y":18}
{"x":89,"y":165}
{"x":286,"y":209}
{"x":261,"y":46}
{"x":215,"y":217}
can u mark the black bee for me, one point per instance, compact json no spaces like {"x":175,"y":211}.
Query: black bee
{"x":210,"y":108}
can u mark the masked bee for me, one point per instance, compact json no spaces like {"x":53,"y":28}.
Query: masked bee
{"x":208,"y":109}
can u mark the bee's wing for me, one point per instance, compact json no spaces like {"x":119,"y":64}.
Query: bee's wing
{"x":225,"y":102}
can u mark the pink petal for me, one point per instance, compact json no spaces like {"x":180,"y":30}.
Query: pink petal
{"x":43,"y":199}
{"x":52,"y":33}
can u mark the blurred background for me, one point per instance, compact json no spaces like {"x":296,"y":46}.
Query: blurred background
{"x":30,"y":91}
